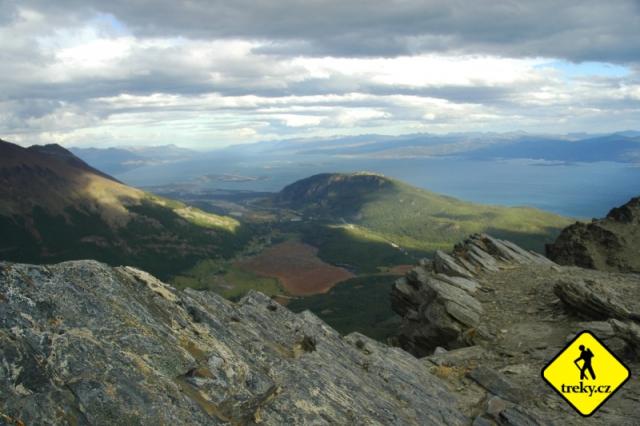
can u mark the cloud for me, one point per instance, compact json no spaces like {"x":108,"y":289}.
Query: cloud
{"x":574,"y":30}
{"x":206,"y":73}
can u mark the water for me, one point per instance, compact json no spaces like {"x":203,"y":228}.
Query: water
{"x":581,"y":190}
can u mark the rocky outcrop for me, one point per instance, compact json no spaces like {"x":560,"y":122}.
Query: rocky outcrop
{"x":83,"y":343}
{"x":609,"y":244}
{"x":487,"y":317}
{"x":594,"y":300}
{"x":615,"y":309}
{"x":437,"y":298}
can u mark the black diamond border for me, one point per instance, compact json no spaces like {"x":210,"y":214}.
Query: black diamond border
{"x":567,"y":347}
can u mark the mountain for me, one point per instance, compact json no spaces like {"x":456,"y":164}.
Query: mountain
{"x":616,"y":147}
{"x":372,"y":206}
{"x":112,"y":160}
{"x":54,"y":206}
{"x":120,"y":160}
{"x":378,"y":146}
{"x":82,"y":343}
{"x":490,"y":315}
{"x":608,"y":244}
{"x":629,"y":133}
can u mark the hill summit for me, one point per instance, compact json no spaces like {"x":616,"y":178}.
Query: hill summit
{"x":335,"y":193}
{"x":381,"y":208}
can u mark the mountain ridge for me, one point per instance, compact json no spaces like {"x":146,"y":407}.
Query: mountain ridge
{"x":492,"y":315}
{"x":609,"y":244}
{"x":56,"y":207}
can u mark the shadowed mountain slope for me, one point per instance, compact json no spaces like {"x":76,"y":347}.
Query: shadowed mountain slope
{"x":53,"y":207}
{"x":608,"y":244}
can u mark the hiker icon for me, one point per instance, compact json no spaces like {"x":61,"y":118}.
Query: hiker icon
{"x":585,"y":355}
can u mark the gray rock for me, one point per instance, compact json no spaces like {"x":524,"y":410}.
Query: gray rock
{"x":439,"y":307}
{"x":84,"y":343}
{"x":517,"y":416}
{"x":497,"y":384}
{"x":445,"y":264}
{"x":463,"y":313}
{"x":504,"y":252}
{"x":442,"y":311}
{"x":481,"y":258}
{"x":465,"y":284}
{"x":592,"y":299}
{"x":628,"y":331}
{"x":489,"y":253}
{"x":495,"y":406}
{"x":440,"y":350}
{"x":482,"y":421}
{"x":454,"y":294}
{"x":608,"y":244}
{"x":521,"y":326}
{"x":530,"y":256}
{"x":462,"y":357}
{"x":602,"y":329}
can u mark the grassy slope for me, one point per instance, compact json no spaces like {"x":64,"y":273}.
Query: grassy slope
{"x":417,"y":219}
{"x":155,"y":238}
{"x":226,"y":280}
{"x":357,"y":217}
{"x":354,"y":248}
{"x":54,"y":207}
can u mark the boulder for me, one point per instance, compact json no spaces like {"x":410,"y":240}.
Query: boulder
{"x":628,"y":331}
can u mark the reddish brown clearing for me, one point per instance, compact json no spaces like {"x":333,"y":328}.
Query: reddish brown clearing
{"x":297,"y":267}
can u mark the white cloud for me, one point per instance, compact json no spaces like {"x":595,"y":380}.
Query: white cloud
{"x":82,"y":84}
{"x":428,"y":70}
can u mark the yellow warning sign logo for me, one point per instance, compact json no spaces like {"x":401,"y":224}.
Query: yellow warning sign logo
{"x":585,"y":373}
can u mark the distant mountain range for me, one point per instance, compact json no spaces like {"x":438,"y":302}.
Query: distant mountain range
{"x":54,"y":207}
{"x":618,"y":147}
{"x":120,"y":160}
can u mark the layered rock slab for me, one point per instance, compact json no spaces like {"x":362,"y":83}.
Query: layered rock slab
{"x":84,"y":343}
{"x":531,"y":308}
{"x":437,"y":299}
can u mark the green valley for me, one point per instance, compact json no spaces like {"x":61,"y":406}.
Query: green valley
{"x":320,"y":243}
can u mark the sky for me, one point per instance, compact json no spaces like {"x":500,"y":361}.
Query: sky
{"x":206,"y":74}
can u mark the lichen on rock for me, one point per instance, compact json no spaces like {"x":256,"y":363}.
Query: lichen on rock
{"x":84,"y":343}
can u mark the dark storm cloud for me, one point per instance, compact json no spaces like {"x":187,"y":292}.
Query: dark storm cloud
{"x":583,"y":30}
